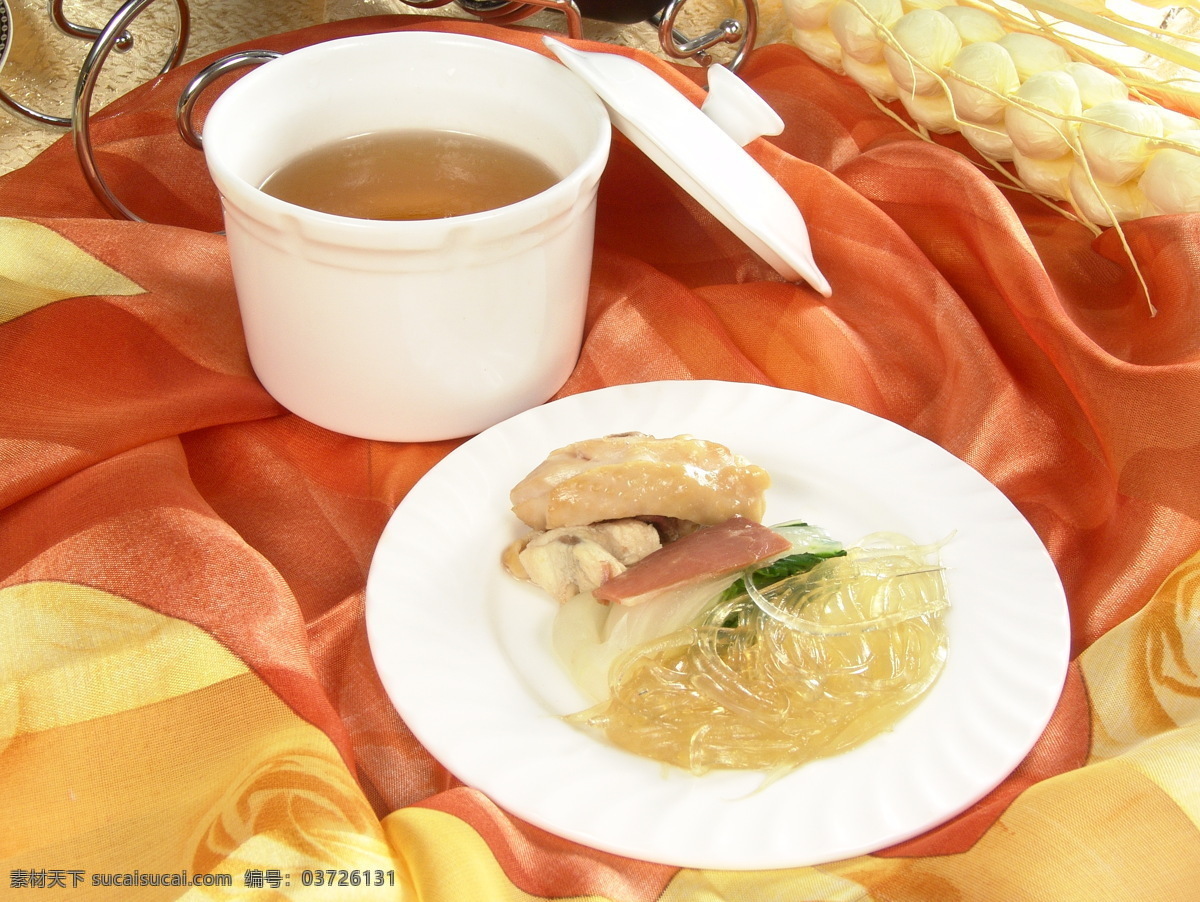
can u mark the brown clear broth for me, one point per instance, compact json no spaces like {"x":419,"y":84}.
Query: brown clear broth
{"x":418,"y":174}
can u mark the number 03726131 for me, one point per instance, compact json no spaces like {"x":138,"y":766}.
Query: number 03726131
{"x":344,"y":877}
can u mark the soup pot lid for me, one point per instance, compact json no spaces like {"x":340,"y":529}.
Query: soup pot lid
{"x":701,"y":149}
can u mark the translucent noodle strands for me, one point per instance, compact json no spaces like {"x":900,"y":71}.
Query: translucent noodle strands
{"x":808,"y":667}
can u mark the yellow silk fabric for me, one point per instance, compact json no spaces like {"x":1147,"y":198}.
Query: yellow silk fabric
{"x":185,"y":681}
{"x":37,"y":267}
{"x":170,"y":755}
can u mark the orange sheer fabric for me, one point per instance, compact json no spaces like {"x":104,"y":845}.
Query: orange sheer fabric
{"x":140,"y":458}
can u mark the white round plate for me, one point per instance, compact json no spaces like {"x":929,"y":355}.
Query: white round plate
{"x":464,"y":650}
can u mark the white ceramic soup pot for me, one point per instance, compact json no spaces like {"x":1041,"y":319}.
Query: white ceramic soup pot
{"x":409,"y":330}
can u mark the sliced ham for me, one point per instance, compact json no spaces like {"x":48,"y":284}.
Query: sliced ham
{"x":715,"y":550}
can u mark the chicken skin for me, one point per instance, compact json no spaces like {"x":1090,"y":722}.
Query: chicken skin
{"x":637,"y":475}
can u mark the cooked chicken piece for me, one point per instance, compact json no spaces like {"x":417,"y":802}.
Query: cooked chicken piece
{"x":633,"y":474}
{"x":570,"y":560}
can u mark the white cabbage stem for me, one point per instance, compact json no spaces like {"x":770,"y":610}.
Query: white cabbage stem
{"x":925,"y":43}
{"x":981,"y":78}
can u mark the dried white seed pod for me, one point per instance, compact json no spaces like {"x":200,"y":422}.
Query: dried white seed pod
{"x":1038,"y":133}
{"x":1033,"y":54}
{"x":1095,"y":85}
{"x":1095,"y":201}
{"x":1015,"y":96}
{"x":1116,"y":156}
{"x":808,"y":13}
{"x":931,"y":110}
{"x":854,"y":29}
{"x":1171,"y":182}
{"x":926,"y":43}
{"x":988,"y":65}
{"x":989,"y":139}
{"x":1173,"y":123}
{"x":820,"y":45}
{"x":1051,"y":178}
{"x":974,"y":25}
{"x":874,"y":78}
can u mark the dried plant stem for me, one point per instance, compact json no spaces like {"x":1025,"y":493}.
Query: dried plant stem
{"x":1109,"y":28}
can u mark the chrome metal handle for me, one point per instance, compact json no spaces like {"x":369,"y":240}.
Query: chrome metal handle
{"x":206,"y":76}
{"x":674,"y":44}
{"x":730,"y":31}
{"x":108,"y":38}
{"x":504,"y":12}
{"x":121,"y":41}
{"x":58,"y":16}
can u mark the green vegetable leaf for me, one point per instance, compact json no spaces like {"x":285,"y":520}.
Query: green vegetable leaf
{"x":779,"y":569}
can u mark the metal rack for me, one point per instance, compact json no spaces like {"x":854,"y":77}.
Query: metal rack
{"x":102,"y":42}
{"x":115,"y":36}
